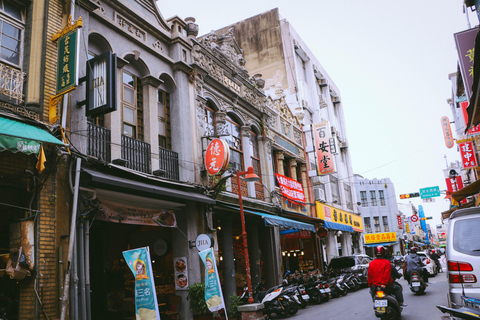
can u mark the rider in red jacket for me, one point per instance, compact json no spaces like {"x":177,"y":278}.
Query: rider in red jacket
{"x":380,"y":274}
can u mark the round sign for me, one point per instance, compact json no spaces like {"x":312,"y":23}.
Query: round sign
{"x":217,"y":156}
{"x":160,"y":247}
{"x":414,"y":218}
{"x":322,"y":232}
{"x":204,"y":241}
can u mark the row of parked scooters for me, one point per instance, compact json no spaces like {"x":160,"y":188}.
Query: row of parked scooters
{"x":299,"y":290}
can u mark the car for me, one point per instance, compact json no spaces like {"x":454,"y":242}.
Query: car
{"x":463,"y":255}
{"x":429,"y":263}
{"x":355,"y":263}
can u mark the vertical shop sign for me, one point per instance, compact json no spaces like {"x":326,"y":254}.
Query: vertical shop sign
{"x":467,"y":153}
{"x":474,"y":129}
{"x":399,"y":218}
{"x":101,"y":84}
{"x":322,"y":134}
{"x":181,"y":273}
{"x":67,"y":64}
{"x":146,"y":305}
{"x":465,"y":42}
{"x":407,"y":227}
{"x":213,"y":291}
{"x":447,"y":132}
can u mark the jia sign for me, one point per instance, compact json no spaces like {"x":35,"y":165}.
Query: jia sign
{"x":217,"y":156}
{"x":101,"y":84}
{"x":323,"y":148}
{"x":67,"y":64}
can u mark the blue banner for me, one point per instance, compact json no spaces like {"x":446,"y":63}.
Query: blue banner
{"x":213,"y":291}
{"x":146,"y":306}
{"x":421,"y":214}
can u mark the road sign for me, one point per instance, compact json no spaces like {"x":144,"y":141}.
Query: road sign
{"x":430,"y":192}
{"x":414,"y":218}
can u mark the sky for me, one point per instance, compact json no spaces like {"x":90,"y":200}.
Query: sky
{"x":390,"y":61}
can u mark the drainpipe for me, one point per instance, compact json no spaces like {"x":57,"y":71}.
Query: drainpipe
{"x":87,"y":270}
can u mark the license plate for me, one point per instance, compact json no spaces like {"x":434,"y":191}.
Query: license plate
{"x":415,"y":284}
{"x":328,"y":290}
{"x":305,"y":296}
{"x":322,"y":291}
{"x":381,"y":303}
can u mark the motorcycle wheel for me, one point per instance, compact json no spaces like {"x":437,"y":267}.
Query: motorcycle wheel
{"x":344,"y":292}
{"x":285,"y":311}
{"x":293,"y":308}
{"x":316,"y":299}
{"x":303,"y":304}
{"x":335,"y":294}
{"x":390,"y":314}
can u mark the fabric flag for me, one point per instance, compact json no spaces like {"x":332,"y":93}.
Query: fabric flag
{"x":41,"y":160}
{"x":146,"y":306}
{"x":213,"y":291}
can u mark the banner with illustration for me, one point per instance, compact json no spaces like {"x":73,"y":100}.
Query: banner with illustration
{"x":213,"y":291}
{"x":146,"y":305}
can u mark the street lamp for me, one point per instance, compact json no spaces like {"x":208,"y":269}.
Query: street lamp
{"x":250,"y":177}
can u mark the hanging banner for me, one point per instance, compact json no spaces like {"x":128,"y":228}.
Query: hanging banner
{"x":213,"y":290}
{"x":400,"y":225}
{"x":290,"y":188}
{"x":146,"y":305}
{"x":423,"y":224}
{"x":465,"y":42}
{"x":322,"y":134}
{"x":67,"y":63}
{"x":467,"y":153}
{"x":447,"y":132}
{"x":474,"y":130}
{"x":122,"y":213}
{"x":407,"y":227}
{"x":217,"y":156}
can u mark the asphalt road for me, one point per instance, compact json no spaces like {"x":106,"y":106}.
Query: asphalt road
{"x":359,"y":305}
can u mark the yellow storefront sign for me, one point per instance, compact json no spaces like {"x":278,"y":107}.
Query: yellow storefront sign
{"x":380,"y":237}
{"x":333,"y":214}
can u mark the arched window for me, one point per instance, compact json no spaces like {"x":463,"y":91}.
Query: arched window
{"x":164,"y":129}
{"x":234,"y":140}
{"x":255,"y":154}
{"x":210,"y":122}
{"x":132,"y":106}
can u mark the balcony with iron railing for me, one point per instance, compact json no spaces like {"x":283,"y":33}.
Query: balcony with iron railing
{"x":137,"y":154}
{"x":11,"y":84}
{"x":168,"y":164}
{"x":99,"y":140}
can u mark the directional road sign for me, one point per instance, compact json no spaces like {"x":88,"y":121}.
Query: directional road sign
{"x":430,"y":192}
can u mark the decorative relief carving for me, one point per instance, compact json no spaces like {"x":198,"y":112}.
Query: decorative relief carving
{"x":100,"y":7}
{"x":130,"y":27}
{"x":157,"y":45}
{"x":297,"y":136}
{"x":207,"y":63}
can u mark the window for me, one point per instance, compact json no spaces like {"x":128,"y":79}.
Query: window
{"x":132,"y":106}
{"x":210,"y":125}
{"x":367,"y":226}
{"x":385,"y":224}
{"x":381,"y":195}
{"x":376,"y":224}
{"x":348,"y":196}
{"x":11,"y":29}
{"x":234,"y":140}
{"x":363,"y":196}
{"x":164,"y":131}
{"x":255,"y":155}
{"x":373,"y":198}
{"x":335,"y":190}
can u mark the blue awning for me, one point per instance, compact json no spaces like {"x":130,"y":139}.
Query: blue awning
{"x":419,"y":243}
{"x":379,"y":244}
{"x":283,"y":223}
{"x":338,"y":226}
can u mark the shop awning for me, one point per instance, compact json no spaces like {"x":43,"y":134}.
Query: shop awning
{"x":18,"y":136}
{"x":116,"y":183}
{"x":338,"y":226}
{"x":379,"y":244}
{"x":420,"y":243}
{"x":469,"y":190}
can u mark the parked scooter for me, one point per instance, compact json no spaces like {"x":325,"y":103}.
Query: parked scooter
{"x":386,"y":306}
{"x":416,"y":283}
{"x":470,"y":310}
{"x":276,"y":302}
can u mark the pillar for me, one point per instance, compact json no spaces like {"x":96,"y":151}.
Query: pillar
{"x":280,"y":159}
{"x":254,"y":253}
{"x":331,"y":244}
{"x":346,"y":244}
{"x":229,"y":283}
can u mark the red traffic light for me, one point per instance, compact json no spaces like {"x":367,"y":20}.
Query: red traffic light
{"x":409,"y":195}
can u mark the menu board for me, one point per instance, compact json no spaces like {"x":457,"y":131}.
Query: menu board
{"x":181,"y":273}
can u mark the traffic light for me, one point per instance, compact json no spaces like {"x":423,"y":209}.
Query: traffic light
{"x":409,"y":195}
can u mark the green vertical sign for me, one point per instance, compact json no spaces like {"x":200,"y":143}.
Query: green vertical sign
{"x":67,"y":64}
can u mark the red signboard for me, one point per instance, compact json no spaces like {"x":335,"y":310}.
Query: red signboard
{"x":322,"y":134}
{"x":302,"y":234}
{"x":217,"y":156}
{"x":447,"y":132}
{"x":290,"y":188}
{"x":400,"y":225}
{"x":474,"y":129}
{"x":467,"y":153}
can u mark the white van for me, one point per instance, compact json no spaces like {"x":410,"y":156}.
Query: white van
{"x":463,"y":255}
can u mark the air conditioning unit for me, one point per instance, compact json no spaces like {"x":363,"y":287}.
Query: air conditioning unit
{"x":322,"y":82}
{"x":333,"y":129}
{"x":319,"y":194}
{"x":322,"y":101}
{"x":335,"y":99}
{"x":343,"y":144}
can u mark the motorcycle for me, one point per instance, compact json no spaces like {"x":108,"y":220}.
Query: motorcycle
{"x":386,"y":306}
{"x":416,"y":283}
{"x":295,"y":294}
{"x":276,"y":302}
{"x":470,"y":310}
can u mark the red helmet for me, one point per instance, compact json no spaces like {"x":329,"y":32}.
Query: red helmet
{"x":380,"y":251}
{"x":433,"y":250}
{"x":413,"y":250}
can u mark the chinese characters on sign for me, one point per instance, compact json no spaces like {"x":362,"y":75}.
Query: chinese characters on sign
{"x":67,"y":64}
{"x":474,"y":129}
{"x":380,"y":237}
{"x":217,"y":156}
{"x":400,"y":225}
{"x":332,"y":214}
{"x":465,"y":42}
{"x":325,"y":164}
{"x":290,"y":188}
{"x":467,"y":153}
{"x":447,"y":132}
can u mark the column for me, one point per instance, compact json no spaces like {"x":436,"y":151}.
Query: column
{"x":254,"y":253}
{"x":331,"y":244}
{"x":150,"y":109}
{"x":280,"y":158}
{"x":229,"y":283}
{"x":346,"y":244}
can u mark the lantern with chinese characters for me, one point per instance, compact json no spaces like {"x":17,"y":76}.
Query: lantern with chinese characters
{"x":217,"y":156}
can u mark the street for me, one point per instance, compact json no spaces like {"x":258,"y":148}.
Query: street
{"x":358,"y":305}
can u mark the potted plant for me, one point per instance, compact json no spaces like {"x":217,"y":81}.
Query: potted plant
{"x":196,"y":297}
{"x":235,"y":302}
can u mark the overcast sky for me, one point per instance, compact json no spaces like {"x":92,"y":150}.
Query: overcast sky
{"x":390,"y":61}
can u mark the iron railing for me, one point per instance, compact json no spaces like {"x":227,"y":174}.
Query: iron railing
{"x":168,"y":161}
{"x":137,"y":153}
{"x":11,"y":82}
{"x":99,"y":142}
